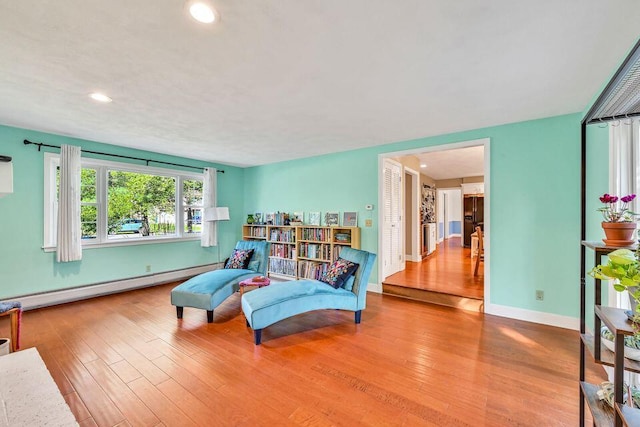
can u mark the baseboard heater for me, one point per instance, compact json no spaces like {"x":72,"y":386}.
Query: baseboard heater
{"x":49,"y":298}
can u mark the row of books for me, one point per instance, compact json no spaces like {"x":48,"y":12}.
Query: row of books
{"x":258,"y":231}
{"x":312,"y":270}
{"x":278,"y":235}
{"x":282,"y":266}
{"x":336,"y":252}
{"x":283,"y":251}
{"x":321,"y":234}
{"x":314,"y":250}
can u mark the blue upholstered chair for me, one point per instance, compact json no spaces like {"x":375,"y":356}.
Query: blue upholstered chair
{"x":208,"y":290}
{"x":268,"y":305}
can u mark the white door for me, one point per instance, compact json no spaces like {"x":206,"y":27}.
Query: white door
{"x":393,"y":261}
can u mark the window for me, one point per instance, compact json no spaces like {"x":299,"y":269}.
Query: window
{"x":123,"y":203}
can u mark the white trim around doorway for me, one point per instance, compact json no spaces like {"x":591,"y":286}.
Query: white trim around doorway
{"x":487,"y":197}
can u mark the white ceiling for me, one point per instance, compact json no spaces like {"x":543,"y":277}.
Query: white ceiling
{"x":284,"y":79}
{"x":457,"y":163}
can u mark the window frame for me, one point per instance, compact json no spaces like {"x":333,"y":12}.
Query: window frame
{"x":102,"y":167}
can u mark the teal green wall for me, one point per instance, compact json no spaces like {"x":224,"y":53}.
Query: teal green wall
{"x":25,"y":268}
{"x":535,"y":203}
{"x":597,"y":185}
{"x":535,"y":210}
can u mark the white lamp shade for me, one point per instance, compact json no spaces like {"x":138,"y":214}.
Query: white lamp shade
{"x":6,"y":178}
{"x":216,"y":214}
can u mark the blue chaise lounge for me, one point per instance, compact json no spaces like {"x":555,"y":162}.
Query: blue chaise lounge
{"x":208,"y":290}
{"x":268,"y":305}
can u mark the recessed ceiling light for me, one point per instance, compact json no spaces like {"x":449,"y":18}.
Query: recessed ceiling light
{"x":100,"y":97}
{"x":422,"y":165}
{"x":202,"y":12}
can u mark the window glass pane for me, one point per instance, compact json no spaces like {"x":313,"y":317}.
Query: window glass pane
{"x":57,"y":183}
{"x":88,"y":186}
{"x":192,"y":220}
{"x":140,"y":204}
{"x":192,"y":192}
{"x":192,"y":201}
{"x":89,"y":221}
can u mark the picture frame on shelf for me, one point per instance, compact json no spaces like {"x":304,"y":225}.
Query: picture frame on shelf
{"x":332,"y":219}
{"x":297,"y":218}
{"x":349,"y":219}
{"x":257,"y":218}
{"x":269,"y":217}
{"x":314,"y":218}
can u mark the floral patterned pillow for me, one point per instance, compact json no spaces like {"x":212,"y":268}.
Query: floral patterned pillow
{"x":239,"y":259}
{"x":339,"y":272}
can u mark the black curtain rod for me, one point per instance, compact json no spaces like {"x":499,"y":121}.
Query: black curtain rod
{"x":40,"y":145}
{"x":612,"y":118}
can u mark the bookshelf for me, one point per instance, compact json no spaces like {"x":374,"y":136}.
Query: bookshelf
{"x":254,"y":232}
{"x":302,"y":251}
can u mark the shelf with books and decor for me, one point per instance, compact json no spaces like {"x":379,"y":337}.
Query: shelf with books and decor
{"x":344,"y":237}
{"x":302,"y":251}
{"x":314,"y":251}
{"x":282,"y":255}
{"x":254,"y":232}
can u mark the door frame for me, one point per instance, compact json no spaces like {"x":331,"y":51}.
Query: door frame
{"x":415,"y":255}
{"x":486,"y":142}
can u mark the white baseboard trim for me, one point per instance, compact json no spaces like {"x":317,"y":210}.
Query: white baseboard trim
{"x":46,"y":299}
{"x":550,"y":319}
{"x":453,"y":235}
{"x":411,"y":258}
{"x":376,"y":288}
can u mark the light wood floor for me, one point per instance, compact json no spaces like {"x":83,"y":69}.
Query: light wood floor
{"x":125,"y":360}
{"x":449,"y":270}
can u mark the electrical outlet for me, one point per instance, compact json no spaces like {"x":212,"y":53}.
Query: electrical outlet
{"x":148,"y":268}
{"x":368,"y":222}
{"x":539,"y":295}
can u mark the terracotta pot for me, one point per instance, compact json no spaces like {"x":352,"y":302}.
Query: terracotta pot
{"x":619,"y":234}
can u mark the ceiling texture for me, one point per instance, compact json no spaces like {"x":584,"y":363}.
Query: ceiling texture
{"x":455,"y":163}
{"x":276,"y":80}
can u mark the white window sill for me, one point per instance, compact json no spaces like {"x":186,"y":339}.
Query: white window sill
{"x":128,"y":242}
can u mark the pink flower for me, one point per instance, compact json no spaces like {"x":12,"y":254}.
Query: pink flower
{"x":627,"y":199}
{"x":614,"y":213}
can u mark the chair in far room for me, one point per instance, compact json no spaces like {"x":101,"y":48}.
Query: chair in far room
{"x":480,"y":256}
{"x":208,"y":290}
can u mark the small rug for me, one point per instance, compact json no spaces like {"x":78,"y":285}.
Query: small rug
{"x":28,"y":394}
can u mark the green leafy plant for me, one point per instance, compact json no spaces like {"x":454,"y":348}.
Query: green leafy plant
{"x":624,"y":268}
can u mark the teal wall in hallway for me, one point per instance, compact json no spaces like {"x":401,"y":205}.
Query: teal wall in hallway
{"x":535,"y":203}
{"x":25,"y":268}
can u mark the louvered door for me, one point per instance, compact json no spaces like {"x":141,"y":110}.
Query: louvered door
{"x":392,"y":218}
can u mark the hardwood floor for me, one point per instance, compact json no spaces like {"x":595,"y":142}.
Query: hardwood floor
{"x":448,"y":271}
{"x":125,"y":360}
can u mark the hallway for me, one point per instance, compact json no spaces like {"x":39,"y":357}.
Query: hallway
{"x":449,"y":271}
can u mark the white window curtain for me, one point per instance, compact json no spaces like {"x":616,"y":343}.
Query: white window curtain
{"x":624,"y":165}
{"x":624,"y":178}
{"x":69,"y":241}
{"x":209,"y":236}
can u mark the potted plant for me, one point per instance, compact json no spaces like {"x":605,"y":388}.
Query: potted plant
{"x":623,"y":267}
{"x":618,"y":222}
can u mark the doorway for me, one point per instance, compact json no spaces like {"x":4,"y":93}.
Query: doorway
{"x":449,"y":213}
{"x":448,"y":269}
